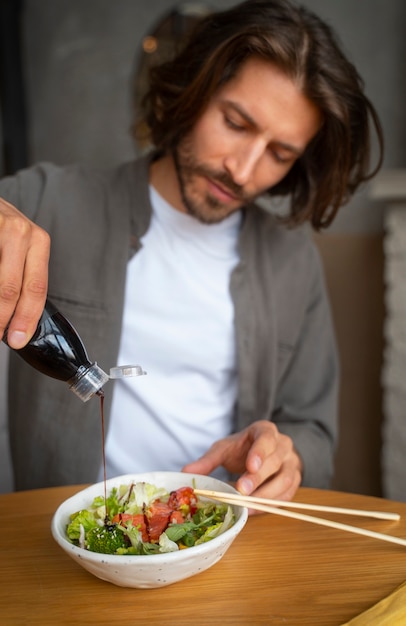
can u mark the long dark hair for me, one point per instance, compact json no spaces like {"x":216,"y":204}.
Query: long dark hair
{"x":337,"y":161}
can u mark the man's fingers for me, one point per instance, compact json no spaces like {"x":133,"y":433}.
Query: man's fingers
{"x":206,"y":463}
{"x":24,"y":256}
{"x":272,"y":463}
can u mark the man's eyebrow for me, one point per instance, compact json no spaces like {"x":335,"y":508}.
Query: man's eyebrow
{"x":251,"y":121}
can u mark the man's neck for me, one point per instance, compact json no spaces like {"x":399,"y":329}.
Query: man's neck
{"x":163,"y":177}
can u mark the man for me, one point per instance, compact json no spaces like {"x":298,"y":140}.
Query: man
{"x":170,"y":262}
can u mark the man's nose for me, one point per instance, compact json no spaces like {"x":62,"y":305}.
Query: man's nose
{"x":243,"y":161}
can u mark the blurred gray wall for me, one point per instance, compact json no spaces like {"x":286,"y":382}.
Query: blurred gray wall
{"x":78,"y":62}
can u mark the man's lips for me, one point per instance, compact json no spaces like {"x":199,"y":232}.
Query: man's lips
{"x":224,"y":194}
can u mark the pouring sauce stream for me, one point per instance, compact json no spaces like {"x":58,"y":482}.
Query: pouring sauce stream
{"x":100,"y":393}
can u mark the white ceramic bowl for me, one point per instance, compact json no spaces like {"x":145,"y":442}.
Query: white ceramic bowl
{"x":154,"y":570}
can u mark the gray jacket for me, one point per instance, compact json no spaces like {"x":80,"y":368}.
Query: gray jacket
{"x":287,"y":360}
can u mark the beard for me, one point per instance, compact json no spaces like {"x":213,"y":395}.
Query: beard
{"x":199,"y":203}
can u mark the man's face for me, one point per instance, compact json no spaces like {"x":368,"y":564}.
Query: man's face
{"x":246,"y":141}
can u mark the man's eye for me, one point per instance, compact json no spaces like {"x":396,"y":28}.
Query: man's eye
{"x":232,"y":124}
{"x":282,"y":158}
{"x":278,"y":157}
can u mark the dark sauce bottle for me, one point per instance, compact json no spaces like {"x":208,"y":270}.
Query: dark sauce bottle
{"x":57,"y":351}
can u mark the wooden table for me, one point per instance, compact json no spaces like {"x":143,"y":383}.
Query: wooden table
{"x":278,"y":571}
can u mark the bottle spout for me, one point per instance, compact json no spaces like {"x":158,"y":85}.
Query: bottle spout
{"x":88,"y":381}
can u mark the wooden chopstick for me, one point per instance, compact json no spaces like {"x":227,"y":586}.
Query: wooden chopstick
{"x":311,"y":518}
{"x":230,"y":498}
{"x":249,"y":501}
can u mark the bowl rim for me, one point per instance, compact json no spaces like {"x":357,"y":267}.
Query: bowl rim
{"x":66,"y":508}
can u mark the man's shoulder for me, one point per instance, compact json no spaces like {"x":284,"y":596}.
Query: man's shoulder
{"x":82,"y":171}
{"x":275,"y":235}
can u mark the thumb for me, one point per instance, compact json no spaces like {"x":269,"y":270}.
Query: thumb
{"x":205,"y":464}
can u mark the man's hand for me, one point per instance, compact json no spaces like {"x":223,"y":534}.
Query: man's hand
{"x":266,"y":460}
{"x":24,"y":256}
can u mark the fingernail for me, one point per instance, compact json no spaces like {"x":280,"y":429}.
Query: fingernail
{"x":16,"y":339}
{"x":245,"y":486}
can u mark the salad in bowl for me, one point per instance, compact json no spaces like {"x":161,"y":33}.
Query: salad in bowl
{"x":140,"y":518}
{"x":150,"y":530}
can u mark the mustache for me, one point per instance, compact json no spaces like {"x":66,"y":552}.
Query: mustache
{"x":187,"y":166}
{"x":224,"y":180}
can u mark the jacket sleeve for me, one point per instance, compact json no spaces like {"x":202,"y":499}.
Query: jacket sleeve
{"x":307,"y":394}
{"x":25,"y":189}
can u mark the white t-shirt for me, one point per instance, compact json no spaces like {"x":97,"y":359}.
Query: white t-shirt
{"x":178,"y":325}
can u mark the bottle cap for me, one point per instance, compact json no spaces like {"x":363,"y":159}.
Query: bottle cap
{"x":88,"y":381}
{"x":126,"y":371}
